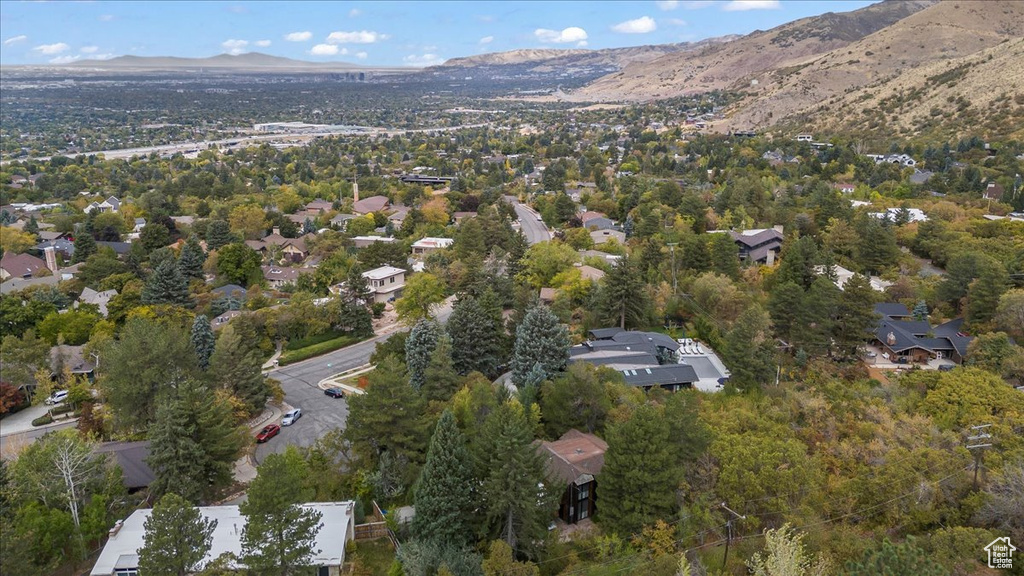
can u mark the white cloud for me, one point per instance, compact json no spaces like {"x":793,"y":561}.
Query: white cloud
{"x":641,"y":25}
{"x":486,"y":18}
{"x":487,"y":39}
{"x":64,"y":59}
{"x":354,"y":12}
{"x":677,"y":21}
{"x":361,"y":55}
{"x":15,"y":39}
{"x":89,"y":49}
{"x":50,"y":49}
{"x":324,"y":50}
{"x":566,"y":36}
{"x":744,"y":5}
{"x":234,"y":47}
{"x":105,"y":17}
{"x":262,"y":43}
{"x":581,"y":44}
{"x":298,"y":36}
{"x":667,"y":5}
{"x":423,"y":60}
{"x":356,"y":37}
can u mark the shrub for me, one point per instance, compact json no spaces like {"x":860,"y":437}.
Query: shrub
{"x":42,"y":420}
{"x":291,"y":356}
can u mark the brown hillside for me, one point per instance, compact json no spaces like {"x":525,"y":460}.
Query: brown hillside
{"x":721,"y":66}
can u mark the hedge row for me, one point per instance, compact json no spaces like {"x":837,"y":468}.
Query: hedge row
{"x":291,"y":356}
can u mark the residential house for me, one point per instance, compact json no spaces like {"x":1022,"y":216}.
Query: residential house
{"x":364,"y":241}
{"x":921,"y":176}
{"x":596,"y":221}
{"x":370,"y":205}
{"x":609,"y":258}
{"x":119,"y":248}
{"x":72,"y":358}
{"x":398,"y":216}
{"x":278,"y":276}
{"x":548,"y":295}
{"x":62,"y":245}
{"x":292,"y":249}
{"x":760,"y":245}
{"x":98,"y":299}
{"x":895,"y":214}
{"x":993,"y":192}
{"x":318,"y":207}
{"x":17,"y":284}
{"x":458,"y":217}
{"x":601,"y":236}
{"x":845,"y":187}
{"x":111,"y":204}
{"x":843,"y":276}
{"x":51,"y":235}
{"x":576,"y":460}
{"x":425,"y":246}
{"x":590,"y":273}
{"x":230,"y":291}
{"x":120,"y":555}
{"x":131,"y":458}
{"x":904,"y":340}
{"x":224,"y":319}
{"x":20,"y":266}
{"x":385,"y":283}
{"x":340,"y":221}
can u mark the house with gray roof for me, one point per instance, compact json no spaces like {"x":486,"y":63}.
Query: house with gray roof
{"x":907,"y":341}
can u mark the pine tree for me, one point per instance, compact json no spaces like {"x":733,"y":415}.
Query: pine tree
{"x":218,"y":234}
{"x":444,"y":499}
{"x":817,"y":314}
{"x":441,"y":381}
{"x":749,"y":350}
{"x":476,"y":338}
{"x":356,"y":290}
{"x":516,"y":507}
{"x":904,"y":559}
{"x":85,"y":246}
{"x":177,"y":538}
{"x":984,"y":293}
{"x":693,"y":254}
{"x":167,"y":286}
{"x":203,"y":341}
{"x":236,"y":366}
{"x":542,"y":339}
{"x":638,"y":480}
{"x":190,"y":262}
{"x":855,"y":315}
{"x":279,"y":535}
{"x":920,"y":312}
{"x":32,"y":227}
{"x":418,"y":348}
{"x":784,"y":306}
{"x":308,"y":227}
{"x":193,"y":443}
{"x":469,"y":240}
{"x":725,"y":258}
{"x":623,"y":297}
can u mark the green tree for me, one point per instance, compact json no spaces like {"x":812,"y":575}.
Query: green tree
{"x":177,"y":538}
{"x":877,"y":249}
{"x":961,"y":270}
{"x":920,"y":312}
{"x":784,"y":555}
{"x":546,"y":260}
{"x":237,"y":366}
{"x":725,"y":259}
{"x":763,"y":469}
{"x":218,"y":234}
{"x":419,"y":347}
{"x":476,"y":337}
{"x":279,"y":537}
{"x":422,"y":292}
{"x":390,"y":416}
{"x":749,"y":349}
{"x":540,"y":339}
{"x":140,"y":367}
{"x":817,"y":313}
{"x":193,"y":443}
{"x":855,"y":315}
{"x":167,"y":286}
{"x":72,"y":327}
{"x":798,"y":259}
{"x":203,"y":341}
{"x":239,"y":264}
{"x":784,"y":305}
{"x":190,"y":262}
{"x":638,"y":481}
{"x":516,"y":506}
{"x":500,"y":562}
{"x":984,"y":293}
{"x":904,"y":559}
{"x":445,"y":498}
{"x":578,"y":398}
{"x":623,"y":296}
{"x":1010,"y":313}
{"x":154,"y":236}
{"x":441,"y":381}
{"x":85,"y":246}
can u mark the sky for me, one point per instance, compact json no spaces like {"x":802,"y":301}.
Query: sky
{"x":372,"y":33}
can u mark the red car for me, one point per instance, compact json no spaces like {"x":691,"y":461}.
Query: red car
{"x":267,"y":433}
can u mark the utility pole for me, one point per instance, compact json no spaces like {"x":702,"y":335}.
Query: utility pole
{"x":672,"y":248}
{"x":978,"y":450}
{"x":728,"y":531}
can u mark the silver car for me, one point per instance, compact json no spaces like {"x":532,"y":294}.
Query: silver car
{"x":291,"y":416}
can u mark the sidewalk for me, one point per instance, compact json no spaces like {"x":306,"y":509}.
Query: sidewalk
{"x":245,"y":468}
{"x":21,"y":422}
{"x":272,"y":362}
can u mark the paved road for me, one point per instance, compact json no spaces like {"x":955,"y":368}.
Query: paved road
{"x":19,"y":440}
{"x":533,"y":228}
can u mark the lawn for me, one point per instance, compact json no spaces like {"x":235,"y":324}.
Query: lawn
{"x":375,"y":555}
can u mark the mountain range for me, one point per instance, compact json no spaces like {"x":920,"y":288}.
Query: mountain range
{"x":248,"y":61}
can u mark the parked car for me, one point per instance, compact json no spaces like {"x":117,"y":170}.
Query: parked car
{"x":267,"y":433}
{"x":57,"y":397}
{"x":291,"y":416}
{"x":946,"y":367}
{"x":870,"y":354}
{"x":335,"y":392}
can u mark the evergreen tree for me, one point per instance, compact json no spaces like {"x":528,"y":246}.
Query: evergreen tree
{"x":878,"y":248}
{"x":193,"y":443}
{"x":32,"y":227}
{"x":85,"y":246}
{"x":469,"y":240}
{"x":516,"y":507}
{"x":445,"y":502}
{"x":855,"y":315}
{"x":355,"y":290}
{"x":920,"y":312}
{"x":280,"y":535}
{"x":797,"y":263}
{"x":576,"y":399}
{"x":203,"y":341}
{"x":542,"y":339}
{"x":905,"y":559}
{"x":308,"y":227}
{"x":218,"y":234}
{"x":190,"y":262}
{"x":177,"y":538}
{"x":516,"y":249}
{"x":817,"y":314}
{"x":476,"y":338}
{"x":355,"y":319}
{"x":984,"y":293}
{"x":441,"y":381}
{"x":749,"y":350}
{"x":236,"y":366}
{"x":167,"y":286}
{"x":693,"y":254}
{"x":638,"y":480}
{"x":784,"y":306}
{"x":418,"y":348}
{"x":725,"y":258}
{"x":623,"y":295}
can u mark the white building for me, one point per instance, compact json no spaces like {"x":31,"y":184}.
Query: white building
{"x":893,"y":215}
{"x":120,"y":556}
{"x":385,"y":282}
{"x":427,"y":245}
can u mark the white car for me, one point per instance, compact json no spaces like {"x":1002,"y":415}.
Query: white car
{"x":291,"y":416}
{"x":57,"y":397}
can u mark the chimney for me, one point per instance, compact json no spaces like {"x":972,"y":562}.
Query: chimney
{"x":51,"y":258}
{"x":276,"y":230}
{"x":355,"y":190}
{"x":117,"y":528}
{"x":779,"y":228}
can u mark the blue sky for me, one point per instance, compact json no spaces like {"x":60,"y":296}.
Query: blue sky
{"x":371,"y":33}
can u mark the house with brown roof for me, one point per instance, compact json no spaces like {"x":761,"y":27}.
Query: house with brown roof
{"x":20,"y":266}
{"x":371,"y":204}
{"x":278,"y":276}
{"x":576,"y":460}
